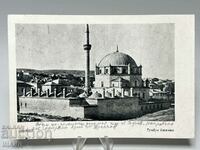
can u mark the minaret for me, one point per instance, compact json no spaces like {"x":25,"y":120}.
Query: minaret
{"x":87,"y":48}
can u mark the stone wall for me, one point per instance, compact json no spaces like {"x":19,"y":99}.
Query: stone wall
{"x":76,"y":112}
{"x":106,"y":109}
{"x":122,"y":108}
{"x":91,"y":112}
{"x":153,"y":107}
{"x":49,"y":106}
{"x":114,"y":109}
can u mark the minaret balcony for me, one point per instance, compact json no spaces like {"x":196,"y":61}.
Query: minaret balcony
{"x":87,"y":46}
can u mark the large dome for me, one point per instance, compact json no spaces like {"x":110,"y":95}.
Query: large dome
{"x":117,"y":59}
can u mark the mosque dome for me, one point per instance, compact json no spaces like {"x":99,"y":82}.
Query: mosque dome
{"x":117,"y":59}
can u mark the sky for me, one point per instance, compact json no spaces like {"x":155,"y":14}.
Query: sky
{"x":60,"y":46}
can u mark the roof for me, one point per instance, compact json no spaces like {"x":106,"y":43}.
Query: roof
{"x":156,"y":91}
{"x":50,"y":83}
{"x":22,"y":83}
{"x":120,"y":79}
{"x":56,"y":82}
{"x":117,"y":59}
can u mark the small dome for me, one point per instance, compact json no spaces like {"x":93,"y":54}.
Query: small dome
{"x":82,"y":95}
{"x":117,"y":59}
{"x":95,"y":95}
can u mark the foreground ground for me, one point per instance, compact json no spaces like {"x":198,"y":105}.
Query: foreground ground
{"x":163,"y":115}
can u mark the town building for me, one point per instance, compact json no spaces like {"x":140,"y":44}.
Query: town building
{"x":23,"y":87}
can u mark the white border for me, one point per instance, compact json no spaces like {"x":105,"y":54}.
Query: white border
{"x":184,"y":74}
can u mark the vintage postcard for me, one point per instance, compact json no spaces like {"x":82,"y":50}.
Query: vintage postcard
{"x":95,"y":76}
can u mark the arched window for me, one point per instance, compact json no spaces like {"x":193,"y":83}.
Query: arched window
{"x":119,"y":70}
{"x":125,"y":71}
{"x":135,"y":83}
{"x":106,"y":70}
{"x":143,"y":95}
{"x":101,"y":83}
{"x":139,"y":95}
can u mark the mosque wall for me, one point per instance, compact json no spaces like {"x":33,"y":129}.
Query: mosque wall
{"x":105,"y":80}
{"x":142,"y":93}
{"x":153,"y":107}
{"x":102,"y":80}
{"x":122,"y":108}
{"x":91,"y":112}
{"x":134,"y":79}
{"x":114,"y":109}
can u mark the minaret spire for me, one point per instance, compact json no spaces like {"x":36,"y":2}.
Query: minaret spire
{"x":117,"y":49}
{"x":87,"y":48}
{"x":88,"y":34}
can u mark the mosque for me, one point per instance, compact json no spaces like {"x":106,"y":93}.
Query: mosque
{"x":118,"y":74}
{"x":119,"y":92}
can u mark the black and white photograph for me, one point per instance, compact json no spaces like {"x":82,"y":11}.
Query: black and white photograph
{"x":124,"y":71}
{"x":86,"y":72}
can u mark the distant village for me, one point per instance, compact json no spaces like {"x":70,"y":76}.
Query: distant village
{"x":74,"y":83}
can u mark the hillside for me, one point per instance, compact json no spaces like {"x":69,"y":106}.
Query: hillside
{"x":80,"y":73}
